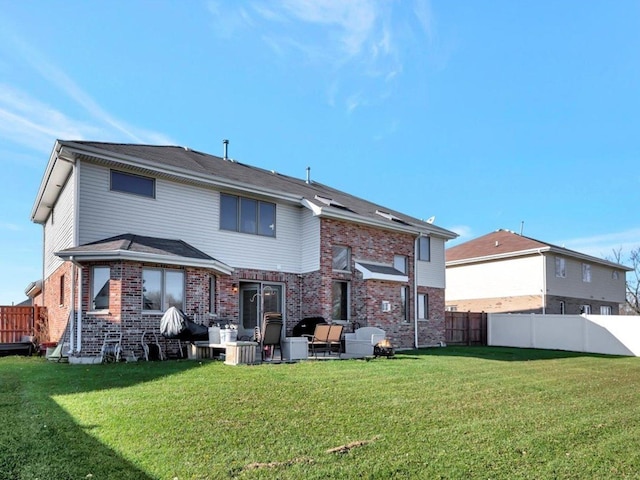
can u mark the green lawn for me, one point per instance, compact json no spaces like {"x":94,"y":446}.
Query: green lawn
{"x":436,"y":413}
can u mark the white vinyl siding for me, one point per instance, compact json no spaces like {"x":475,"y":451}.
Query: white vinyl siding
{"x":602,"y":286}
{"x":432,"y":273}
{"x":59,"y":233}
{"x":504,"y":278}
{"x":310,"y":240}
{"x":186,"y":212}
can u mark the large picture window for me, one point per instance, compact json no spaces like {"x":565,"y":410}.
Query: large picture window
{"x":340,"y":300}
{"x":247,"y":215}
{"x":136,"y":184}
{"x":100,"y":288}
{"x":162,"y":289}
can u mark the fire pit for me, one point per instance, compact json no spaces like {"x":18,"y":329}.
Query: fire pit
{"x":383,"y":349}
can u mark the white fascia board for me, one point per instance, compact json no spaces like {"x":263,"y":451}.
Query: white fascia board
{"x":501,"y":256}
{"x":57,"y":171}
{"x":369,"y":275}
{"x":182,"y":173}
{"x":96,"y":256}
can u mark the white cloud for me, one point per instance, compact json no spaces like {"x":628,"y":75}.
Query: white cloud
{"x":10,"y":226}
{"x":602,"y":246}
{"x":465,"y":233}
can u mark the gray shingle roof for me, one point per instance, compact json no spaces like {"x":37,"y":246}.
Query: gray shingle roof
{"x":182,"y":159}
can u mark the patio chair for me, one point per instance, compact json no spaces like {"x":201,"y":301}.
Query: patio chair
{"x":271,"y":335}
{"x":319,"y":339}
{"x":334,"y":340}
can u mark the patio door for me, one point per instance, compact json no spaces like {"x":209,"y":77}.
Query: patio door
{"x":256,"y":298}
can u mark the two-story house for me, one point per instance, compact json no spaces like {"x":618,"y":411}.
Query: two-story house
{"x":130,"y":230}
{"x":506,"y":272}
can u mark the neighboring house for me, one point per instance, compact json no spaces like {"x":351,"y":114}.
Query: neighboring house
{"x":507,"y":272}
{"x":130,"y":230}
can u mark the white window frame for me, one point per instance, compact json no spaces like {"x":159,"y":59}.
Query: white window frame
{"x":401,"y":263}
{"x":163,"y":289}
{"x":563,"y":307}
{"x":424,"y":249}
{"x":423,"y":306}
{"x":585,"y":309}
{"x":586,"y":273}
{"x":606,"y":310}
{"x":95,"y":289}
{"x":561,"y":267}
{"x":336,"y":252}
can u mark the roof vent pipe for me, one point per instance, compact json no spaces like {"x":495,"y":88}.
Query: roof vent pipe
{"x":225,"y":146}
{"x":308,"y":174}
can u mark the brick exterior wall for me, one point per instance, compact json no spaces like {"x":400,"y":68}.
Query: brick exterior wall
{"x":306,"y":295}
{"x":532,"y":304}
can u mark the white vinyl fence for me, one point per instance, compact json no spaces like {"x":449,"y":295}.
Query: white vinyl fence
{"x":608,"y":334}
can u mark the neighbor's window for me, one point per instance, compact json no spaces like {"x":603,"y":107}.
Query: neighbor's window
{"x":162,"y":289}
{"x":340,"y":300}
{"x":561,"y":269}
{"x":247,"y":215}
{"x":130,"y":183}
{"x":341,"y":258}
{"x":423,"y":306}
{"x":400,"y":263}
{"x":615,"y":275}
{"x":62,"y":290}
{"x":562,"y":307}
{"x":586,"y":272}
{"x":424,"y":249}
{"x":585,"y":309}
{"x":404,"y":303}
{"x":606,"y":310}
{"x":100,"y":288}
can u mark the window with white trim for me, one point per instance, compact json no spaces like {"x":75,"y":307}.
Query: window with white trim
{"x":423,"y":306}
{"x":424,"y":249}
{"x":130,"y":183}
{"x":247,"y":215}
{"x":586,"y":309}
{"x":100,"y":277}
{"x":606,"y":310}
{"x":162,"y":288}
{"x":561,"y":269}
{"x":586,"y":273}
{"x":341,"y":258}
{"x":562,"y":307}
{"x":400,"y":263}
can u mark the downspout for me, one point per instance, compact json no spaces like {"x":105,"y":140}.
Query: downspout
{"x":76,"y":242}
{"x":71,"y":303}
{"x":79,"y":313}
{"x":415,"y":289}
{"x":544,"y":282}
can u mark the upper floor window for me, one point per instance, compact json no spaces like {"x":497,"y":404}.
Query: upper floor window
{"x":424,"y":249}
{"x":400,"y":263}
{"x":615,"y":275}
{"x":586,"y":272}
{"x":100,"y":288}
{"x":341,"y":258}
{"x":162,"y":289}
{"x":247,"y":215}
{"x":130,"y":183}
{"x":561,"y":269}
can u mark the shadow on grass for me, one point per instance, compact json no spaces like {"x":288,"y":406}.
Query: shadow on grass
{"x":41,"y":440}
{"x":505,"y":354}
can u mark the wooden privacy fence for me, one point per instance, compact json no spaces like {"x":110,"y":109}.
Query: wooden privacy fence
{"x":465,"y":328}
{"x":16,"y":322}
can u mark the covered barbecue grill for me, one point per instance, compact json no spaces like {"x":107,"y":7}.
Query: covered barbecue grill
{"x":176,"y":325}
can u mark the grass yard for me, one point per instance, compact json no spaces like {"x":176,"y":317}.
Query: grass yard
{"x":489,"y":413}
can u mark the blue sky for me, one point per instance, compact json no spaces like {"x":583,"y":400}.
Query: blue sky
{"x":484,"y":114}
